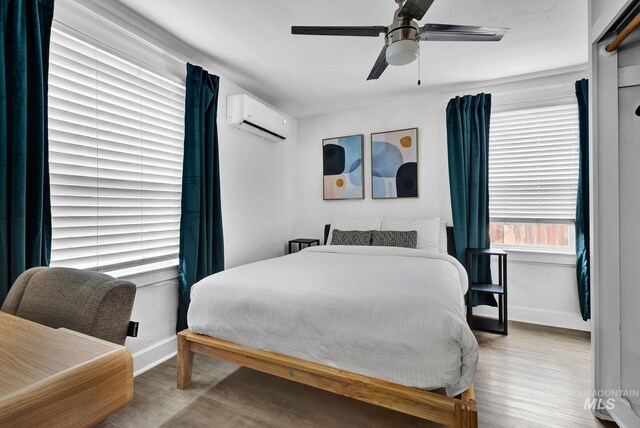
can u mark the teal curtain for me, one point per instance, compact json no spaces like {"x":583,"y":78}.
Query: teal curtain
{"x":25,"y":207}
{"x":201,"y":243}
{"x":468,"y":151}
{"x":582,"y":205}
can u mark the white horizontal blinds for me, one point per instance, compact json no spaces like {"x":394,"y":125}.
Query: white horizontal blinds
{"x":533,"y":164}
{"x":115,"y":144}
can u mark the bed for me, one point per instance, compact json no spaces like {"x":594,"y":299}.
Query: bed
{"x":382,"y":325}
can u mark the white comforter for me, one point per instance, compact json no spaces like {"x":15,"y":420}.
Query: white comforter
{"x":390,"y":313}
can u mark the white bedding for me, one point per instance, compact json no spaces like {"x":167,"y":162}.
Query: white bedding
{"x":390,"y":313}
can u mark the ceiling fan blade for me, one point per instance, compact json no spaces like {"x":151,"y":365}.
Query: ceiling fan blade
{"x":415,"y":9}
{"x":380,"y":66}
{"x":373,"y":31}
{"x":461,"y":33}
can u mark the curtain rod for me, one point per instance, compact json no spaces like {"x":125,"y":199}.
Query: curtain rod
{"x":611,"y":47}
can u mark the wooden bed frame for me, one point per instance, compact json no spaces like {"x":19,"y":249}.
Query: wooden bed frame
{"x":459,"y":412}
{"x":455,"y":412}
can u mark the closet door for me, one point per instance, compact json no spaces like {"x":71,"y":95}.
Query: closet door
{"x":629,"y":155}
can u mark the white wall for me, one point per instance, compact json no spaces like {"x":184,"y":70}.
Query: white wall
{"x":542,"y":286}
{"x":259,"y":190}
{"x":427,"y":113}
{"x":258,"y":178}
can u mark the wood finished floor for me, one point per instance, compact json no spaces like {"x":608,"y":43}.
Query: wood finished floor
{"x":532,"y":378}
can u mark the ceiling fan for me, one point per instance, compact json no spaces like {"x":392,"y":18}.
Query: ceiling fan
{"x":402,"y":36}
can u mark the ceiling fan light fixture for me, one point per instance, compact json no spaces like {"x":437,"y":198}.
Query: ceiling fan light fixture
{"x":402,"y":37}
{"x":402,"y":52}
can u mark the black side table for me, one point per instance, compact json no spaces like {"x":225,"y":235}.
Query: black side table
{"x":500,"y":289}
{"x":301,"y":242}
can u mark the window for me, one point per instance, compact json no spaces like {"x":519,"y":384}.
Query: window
{"x":533,"y":176}
{"x":116,"y":133}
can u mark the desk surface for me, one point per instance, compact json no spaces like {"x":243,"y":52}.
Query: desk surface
{"x":59,"y":377}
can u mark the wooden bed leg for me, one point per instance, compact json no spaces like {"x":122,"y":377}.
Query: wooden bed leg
{"x":184,"y":361}
{"x":467,"y":410}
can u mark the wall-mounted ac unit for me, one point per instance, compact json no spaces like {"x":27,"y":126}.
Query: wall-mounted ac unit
{"x":256,"y":117}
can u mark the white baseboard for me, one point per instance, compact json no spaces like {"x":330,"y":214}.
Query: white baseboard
{"x":539,"y":316}
{"x":153,"y":355}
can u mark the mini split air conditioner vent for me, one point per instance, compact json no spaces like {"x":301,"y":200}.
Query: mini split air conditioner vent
{"x":256,"y":117}
{"x":261,"y":129}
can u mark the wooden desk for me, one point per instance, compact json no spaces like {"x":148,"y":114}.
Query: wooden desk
{"x":58,"y":378}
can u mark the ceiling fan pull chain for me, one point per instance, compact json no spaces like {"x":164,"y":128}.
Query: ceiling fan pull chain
{"x":419,"y":66}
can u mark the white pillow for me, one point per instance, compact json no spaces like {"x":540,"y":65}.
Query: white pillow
{"x":354,"y":224}
{"x":443,"y":236}
{"x":429,"y":231}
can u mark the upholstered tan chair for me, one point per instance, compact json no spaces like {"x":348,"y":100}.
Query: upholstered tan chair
{"x":88,"y":302}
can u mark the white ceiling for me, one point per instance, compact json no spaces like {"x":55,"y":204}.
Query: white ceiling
{"x":305,"y":75}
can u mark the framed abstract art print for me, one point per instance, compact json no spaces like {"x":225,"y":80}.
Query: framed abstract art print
{"x":343,"y":174}
{"x":394,"y":164}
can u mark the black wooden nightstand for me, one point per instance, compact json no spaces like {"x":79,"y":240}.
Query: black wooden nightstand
{"x":301,"y":242}
{"x":500,"y":289}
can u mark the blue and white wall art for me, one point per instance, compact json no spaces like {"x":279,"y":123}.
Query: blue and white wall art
{"x":342,"y":167}
{"x":394,"y":164}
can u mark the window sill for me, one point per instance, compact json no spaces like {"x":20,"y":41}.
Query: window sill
{"x":539,"y":256}
{"x":149,"y":274}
